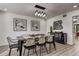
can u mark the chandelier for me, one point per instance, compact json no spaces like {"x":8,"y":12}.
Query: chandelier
{"x":40,"y":12}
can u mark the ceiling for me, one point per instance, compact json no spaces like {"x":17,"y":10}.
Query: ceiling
{"x":28,"y":9}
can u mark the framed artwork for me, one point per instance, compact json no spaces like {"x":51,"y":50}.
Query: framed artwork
{"x":19,"y":24}
{"x":35,"y":25}
{"x":57,"y":25}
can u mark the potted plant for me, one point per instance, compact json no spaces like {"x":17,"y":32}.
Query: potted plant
{"x":51,"y":30}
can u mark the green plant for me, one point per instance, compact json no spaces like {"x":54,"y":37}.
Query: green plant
{"x":51,"y":29}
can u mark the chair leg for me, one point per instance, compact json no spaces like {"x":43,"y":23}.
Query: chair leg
{"x":36,"y":52}
{"x":10,"y":52}
{"x":33,"y":50}
{"x":28,"y":52}
{"x":24,"y":51}
{"x":46,"y":49}
{"x":17,"y":49}
{"x":54,"y":45}
{"x":40,"y":50}
{"x":49,"y":47}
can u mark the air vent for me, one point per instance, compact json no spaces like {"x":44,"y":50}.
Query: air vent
{"x":64,"y":15}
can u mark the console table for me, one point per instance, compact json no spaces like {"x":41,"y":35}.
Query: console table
{"x":60,"y":37}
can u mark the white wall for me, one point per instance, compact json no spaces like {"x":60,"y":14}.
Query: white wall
{"x":6,"y":26}
{"x":2,"y":28}
{"x":67,"y":24}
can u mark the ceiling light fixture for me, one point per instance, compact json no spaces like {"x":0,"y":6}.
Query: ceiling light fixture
{"x":74,"y":6}
{"x":40,"y":7}
{"x":40,"y":11}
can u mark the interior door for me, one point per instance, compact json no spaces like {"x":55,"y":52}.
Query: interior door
{"x":77,"y":28}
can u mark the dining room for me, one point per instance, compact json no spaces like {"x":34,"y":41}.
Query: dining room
{"x":37,"y":29}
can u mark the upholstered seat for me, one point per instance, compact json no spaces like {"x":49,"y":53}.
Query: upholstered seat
{"x":30,"y":44}
{"x":41,"y":43}
{"x":50,"y":40}
{"x":12,"y":44}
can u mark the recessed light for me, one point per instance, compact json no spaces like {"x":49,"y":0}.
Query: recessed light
{"x":74,"y":6}
{"x":75,"y":19}
{"x":5,"y":9}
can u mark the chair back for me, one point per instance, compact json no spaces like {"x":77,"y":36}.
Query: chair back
{"x":30,"y":42}
{"x":41,"y":39}
{"x":50,"y":38}
{"x":11,"y":41}
{"x":56,"y":34}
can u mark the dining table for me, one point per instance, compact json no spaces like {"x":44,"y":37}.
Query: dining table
{"x":20,"y":44}
{"x":21,"y":41}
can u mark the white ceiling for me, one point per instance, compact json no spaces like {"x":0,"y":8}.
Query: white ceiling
{"x":28,"y":9}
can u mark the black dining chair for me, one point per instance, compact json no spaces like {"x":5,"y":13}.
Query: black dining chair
{"x":41,"y":43}
{"x":30,"y":44}
{"x":13,"y":43}
{"x":50,"y":40}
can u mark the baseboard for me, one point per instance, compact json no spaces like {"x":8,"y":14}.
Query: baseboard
{"x":4,"y":45}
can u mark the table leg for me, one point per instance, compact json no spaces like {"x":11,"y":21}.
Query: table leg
{"x":20,"y":42}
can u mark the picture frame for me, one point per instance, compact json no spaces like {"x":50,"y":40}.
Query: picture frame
{"x":19,"y":24}
{"x":35,"y":25}
{"x":57,"y":25}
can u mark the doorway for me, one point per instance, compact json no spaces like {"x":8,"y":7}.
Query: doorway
{"x":75,"y":27}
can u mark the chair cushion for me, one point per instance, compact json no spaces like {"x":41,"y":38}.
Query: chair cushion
{"x":41,"y":44}
{"x":30,"y":42}
{"x":49,"y":42}
{"x":14,"y":46}
{"x":29,"y":47}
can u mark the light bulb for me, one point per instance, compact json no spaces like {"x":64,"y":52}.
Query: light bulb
{"x":44,"y":15}
{"x":39,"y":13}
{"x":74,"y":6}
{"x":36,"y":12}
